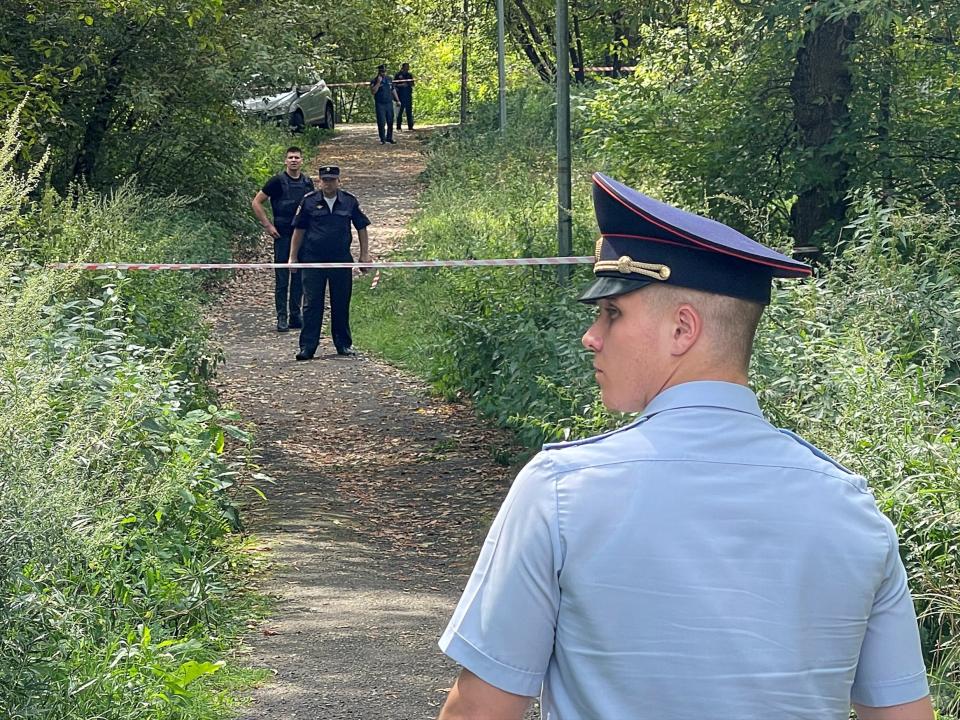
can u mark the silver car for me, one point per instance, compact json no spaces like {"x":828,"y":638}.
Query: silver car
{"x":298,"y":106}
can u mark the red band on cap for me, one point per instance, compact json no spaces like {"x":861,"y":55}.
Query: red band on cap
{"x":695,"y":240}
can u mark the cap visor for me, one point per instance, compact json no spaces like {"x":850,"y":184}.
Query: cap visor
{"x":328,"y":176}
{"x":604,"y":287}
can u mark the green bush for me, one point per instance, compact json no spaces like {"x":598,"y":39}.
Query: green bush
{"x":115,"y":502}
{"x":863,"y":362}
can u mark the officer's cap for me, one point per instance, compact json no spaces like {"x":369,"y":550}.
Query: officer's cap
{"x":643,"y":241}
{"x":329,"y":171}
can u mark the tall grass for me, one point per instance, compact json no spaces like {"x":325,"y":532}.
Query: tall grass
{"x":864,"y":363}
{"x":115,"y":502}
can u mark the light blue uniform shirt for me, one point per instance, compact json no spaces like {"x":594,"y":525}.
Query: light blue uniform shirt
{"x":696,"y":564}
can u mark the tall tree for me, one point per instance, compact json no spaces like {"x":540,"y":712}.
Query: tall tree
{"x":821,"y":88}
{"x":464,"y":55}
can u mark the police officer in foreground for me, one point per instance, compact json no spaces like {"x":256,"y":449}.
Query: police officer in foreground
{"x":285,"y":190}
{"x":322,"y":234}
{"x":697,"y":563}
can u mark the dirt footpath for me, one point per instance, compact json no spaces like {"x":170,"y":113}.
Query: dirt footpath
{"x":382,"y":497}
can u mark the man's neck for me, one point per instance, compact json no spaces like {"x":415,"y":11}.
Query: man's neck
{"x":293,"y":174}
{"x":331,"y":195}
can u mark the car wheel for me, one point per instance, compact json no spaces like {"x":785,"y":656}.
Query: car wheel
{"x":296,"y":121}
{"x":328,"y":118}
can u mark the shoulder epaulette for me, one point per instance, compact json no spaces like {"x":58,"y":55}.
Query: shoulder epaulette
{"x":595,"y":438}
{"x":820,"y":453}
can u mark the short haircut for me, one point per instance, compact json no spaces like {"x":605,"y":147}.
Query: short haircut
{"x":729,"y":323}
{"x":293,"y":149}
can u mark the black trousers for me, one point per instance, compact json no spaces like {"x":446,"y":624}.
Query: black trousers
{"x":385,"y":121}
{"x":406,"y":103}
{"x":288,"y":289}
{"x":315,"y":283}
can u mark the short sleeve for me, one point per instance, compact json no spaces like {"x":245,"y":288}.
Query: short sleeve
{"x":360,"y":221}
{"x":504,"y":625}
{"x":302,"y":217}
{"x":272,"y":187}
{"x":891,"y":669}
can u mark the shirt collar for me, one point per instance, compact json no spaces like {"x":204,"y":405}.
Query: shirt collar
{"x":705,"y":393}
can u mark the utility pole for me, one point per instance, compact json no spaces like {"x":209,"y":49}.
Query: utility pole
{"x":501,"y":67}
{"x":465,"y":40}
{"x":564,"y":189}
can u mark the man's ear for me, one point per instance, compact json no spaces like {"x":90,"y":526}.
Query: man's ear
{"x":687,"y":328}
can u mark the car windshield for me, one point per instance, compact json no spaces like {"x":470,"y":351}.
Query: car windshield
{"x":274,"y":89}
{"x":260,"y":86}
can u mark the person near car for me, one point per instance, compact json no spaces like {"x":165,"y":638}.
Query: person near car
{"x":322,"y":234}
{"x":285,"y":191}
{"x":384,"y":95}
{"x":697,"y":563}
{"x":403,"y":83}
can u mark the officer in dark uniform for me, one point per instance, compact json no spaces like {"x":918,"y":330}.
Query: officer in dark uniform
{"x":322,"y":234}
{"x":384,"y":96}
{"x":403,"y":83}
{"x":285,"y":190}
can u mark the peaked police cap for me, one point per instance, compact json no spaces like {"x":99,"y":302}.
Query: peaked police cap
{"x":329,"y":171}
{"x":644,"y":241}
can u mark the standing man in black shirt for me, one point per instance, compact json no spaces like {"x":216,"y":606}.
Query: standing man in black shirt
{"x":403,"y":82}
{"x":285,"y":190}
{"x":322,"y":234}
{"x":384,"y":95}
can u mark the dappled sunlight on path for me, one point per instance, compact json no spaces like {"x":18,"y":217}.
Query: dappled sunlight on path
{"x":382,"y":493}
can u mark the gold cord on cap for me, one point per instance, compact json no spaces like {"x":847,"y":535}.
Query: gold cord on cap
{"x":626,"y":265}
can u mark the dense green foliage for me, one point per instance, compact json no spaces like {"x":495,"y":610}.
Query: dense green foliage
{"x":862,"y":361}
{"x":729,"y":98}
{"x":786,"y":104}
{"x":115,"y":502}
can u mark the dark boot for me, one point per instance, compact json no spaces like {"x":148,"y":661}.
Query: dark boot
{"x":282,"y":324}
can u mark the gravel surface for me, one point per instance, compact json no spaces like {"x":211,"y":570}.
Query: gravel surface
{"x":383,"y":493}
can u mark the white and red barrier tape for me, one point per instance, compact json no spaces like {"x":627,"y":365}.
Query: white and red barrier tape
{"x":499,"y":262}
{"x":368,"y":82}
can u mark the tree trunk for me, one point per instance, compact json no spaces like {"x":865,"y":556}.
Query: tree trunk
{"x":885,"y":113}
{"x":538,"y":51}
{"x":576,"y":50}
{"x":821,"y":89}
{"x":620,"y":31}
{"x":99,"y":122}
{"x":464,"y":43}
{"x":541,"y":65}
